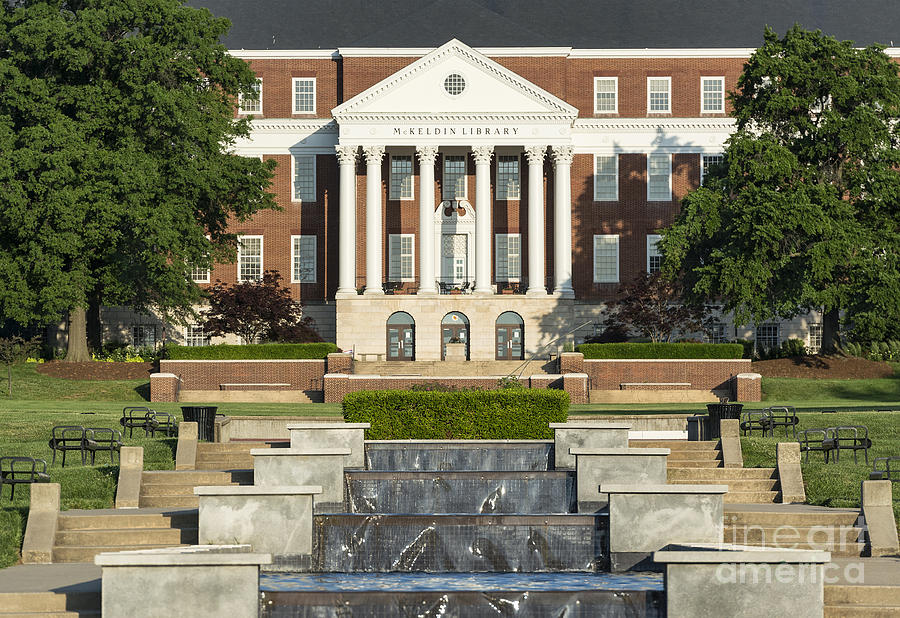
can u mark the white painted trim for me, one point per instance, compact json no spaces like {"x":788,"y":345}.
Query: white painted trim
{"x":417,"y":52}
{"x":315,"y":268}
{"x":240,"y":107}
{"x":395,"y":276}
{"x":669,"y":176}
{"x":294,"y":125}
{"x":668,"y":110}
{"x":412,"y":176}
{"x":615,"y":80}
{"x":653,"y":124}
{"x":283,"y":54}
{"x":262,"y":263}
{"x":497,"y":257}
{"x":618,"y":258}
{"x":703,"y":78}
{"x":708,"y":154}
{"x":698,"y":52}
{"x":616,"y":158}
{"x":315,"y":92}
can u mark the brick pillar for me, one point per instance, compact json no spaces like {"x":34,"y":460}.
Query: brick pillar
{"x":576,"y":384}
{"x":339,"y":362}
{"x":336,"y":386}
{"x":571,"y":362}
{"x":163,"y":387}
{"x":748,"y":387}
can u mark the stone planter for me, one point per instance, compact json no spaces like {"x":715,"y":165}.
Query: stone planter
{"x":455,"y":352}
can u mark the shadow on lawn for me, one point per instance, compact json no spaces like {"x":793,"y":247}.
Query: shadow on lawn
{"x":143,"y":390}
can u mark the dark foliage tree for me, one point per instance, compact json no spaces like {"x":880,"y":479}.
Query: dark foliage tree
{"x":116,"y":176}
{"x":257,"y":311}
{"x":805,"y":211}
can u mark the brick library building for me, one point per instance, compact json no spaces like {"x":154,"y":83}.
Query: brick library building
{"x":479,"y":178}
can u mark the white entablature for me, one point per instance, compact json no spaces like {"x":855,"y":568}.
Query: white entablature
{"x":455,"y":96}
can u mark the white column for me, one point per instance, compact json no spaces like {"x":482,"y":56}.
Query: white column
{"x":427,"y":156}
{"x":562,"y":221}
{"x":536,"y":267}
{"x":482,"y":155}
{"x":374,"y":155}
{"x":347,"y":221}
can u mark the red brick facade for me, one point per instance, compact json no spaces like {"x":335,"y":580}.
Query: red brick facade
{"x":700,"y":374}
{"x":212,"y":375}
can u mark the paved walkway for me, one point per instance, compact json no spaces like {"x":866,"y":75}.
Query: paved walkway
{"x":67,"y":577}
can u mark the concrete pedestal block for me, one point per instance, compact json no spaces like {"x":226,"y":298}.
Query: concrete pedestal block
{"x":594,"y":467}
{"x":751,"y":582}
{"x":586,"y":434}
{"x":285,"y":467}
{"x":305,"y":436}
{"x":645,"y":518}
{"x":878,"y":511}
{"x":200,"y":581}
{"x":271,"y":519}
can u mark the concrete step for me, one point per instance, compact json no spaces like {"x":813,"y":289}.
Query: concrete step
{"x":198,"y":477}
{"x":694,"y":455}
{"x":789,"y":536}
{"x":82,"y":613}
{"x":79,"y":553}
{"x":674,"y":473}
{"x":861,"y":611}
{"x":132,"y":520}
{"x":229,"y":463}
{"x":48,"y":603}
{"x":152,"y":491}
{"x":737,"y":485}
{"x":676,"y":445}
{"x":170,"y":502}
{"x":695,"y":463}
{"x":774,"y":518}
{"x":751,"y":497}
{"x":219,"y":448}
{"x":126,"y":536}
{"x":859,"y":595}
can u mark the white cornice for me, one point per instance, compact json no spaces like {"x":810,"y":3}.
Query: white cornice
{"x":284,"y":54}
{"x":380,"y":117}
{"x":294,"y":125}
{"x":651,"y":124}
{"x":698,"y":52}
{"x":418,"y":52}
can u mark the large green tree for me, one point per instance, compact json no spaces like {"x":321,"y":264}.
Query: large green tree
{"x":805,"y":211}
{"x":116,"y":176}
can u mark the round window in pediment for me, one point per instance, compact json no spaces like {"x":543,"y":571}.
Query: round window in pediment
{"x":454,"y":84}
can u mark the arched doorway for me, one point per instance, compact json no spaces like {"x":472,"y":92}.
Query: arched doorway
{"x":454,"y":329}
{"x":401,"y":337}
{"x":510,"y":336}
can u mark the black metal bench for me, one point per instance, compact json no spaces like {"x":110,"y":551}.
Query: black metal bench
{"x":18,"y":470}
{"x":783,"y":416}
{"x":818,"y":440}
{"x":102,"y":439}
{"x":135,"y":417}
{"x":162,"y":422}
{"x":67,"y":438}
{"x":755,"y":419}
{"x":851,"y":438}
{"x":886,"y":474}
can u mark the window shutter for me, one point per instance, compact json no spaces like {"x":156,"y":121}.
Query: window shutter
{"x":502,"y":257}
{"x":394,"y":253}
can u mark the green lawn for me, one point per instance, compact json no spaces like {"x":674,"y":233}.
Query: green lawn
{"x":28,"y":384}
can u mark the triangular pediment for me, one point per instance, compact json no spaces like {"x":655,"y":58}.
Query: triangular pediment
{"x":421,"y":90}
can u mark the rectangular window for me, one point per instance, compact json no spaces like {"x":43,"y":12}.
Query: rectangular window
{"x":508,"y":177}
{"x":401,"y":257}
{"x":303,"y":259}
{"x":814,"y":341}
{"x":712,"y":89}
{"x":304,"y":178}
{"x":199,"y":275}
{"x":658,"y":95}
{"x":707,"y":161}
{"x":250,"y":258}
{"x":508,"y":256}
{"x":654,"y":257}
{"x":767,"y":337}
{"x":659,"y":178}
{"x":401,"y":177}
{"x":251,"y":104}
{"x":454,"y":177}
{"x":143,"y":336}
{"x":717,"y":333}
{"x":606,"y":91}
{"x":606,"y":178}
{"x":606,"y":258}
{"x":304,"y":95}
{"x":195,"y":337}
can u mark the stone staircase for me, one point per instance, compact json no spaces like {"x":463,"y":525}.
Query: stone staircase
{"x":228,"y":456}
{"x":50,"y":604}
{"x":828,"y":529}
{"x":476,"y":369}
{"x":174,"y":489}
{"x":81,"y":535}
{"x":700,"y":463}
{"x":848,"y":601}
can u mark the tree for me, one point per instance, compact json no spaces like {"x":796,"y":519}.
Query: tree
{"x":654,"y":307}
{"x":805,"y":211}
{"x":257,"y":310}
{"x":116,"y":125}
{"x":13,"y":350}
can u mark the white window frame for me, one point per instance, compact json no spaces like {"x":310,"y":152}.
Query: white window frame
{"x":502,"y":241}
{"x":191,"y":338}
{"x":294,"y":82}
{"x":717,"y":333}
{"x":653,"y":251}
{"x":777,"y":328}
{"x":507,"y":190}
{"x":703,"y":81}
{"x":810,"y":347}
{"x":597,"y":240}
{"x":668,"y":109}
{"x":294,"y":196}
{"x":703,"y":164}
{"x":138,"y":342}
{"x":615,"y":81}
{"x":650,"y":157}
{"x":393,"y":274}
{"x":194,"y":270}
{"x":259,"y":111}
{"x":597,"y":196}
{"x":296,"y":258}
{"x":241,"y":257}
{"x":445,"y":188}
{"x":412,"y":172}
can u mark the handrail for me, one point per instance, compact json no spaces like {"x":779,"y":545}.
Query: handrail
{"x":518,"y":371}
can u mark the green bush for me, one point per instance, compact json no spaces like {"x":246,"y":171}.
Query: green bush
{"x":259,"y":351}
{"x":793,"y":347}
{"x":749,"y":347}
{"x":508,"y":414}
{"x":661,"y":350}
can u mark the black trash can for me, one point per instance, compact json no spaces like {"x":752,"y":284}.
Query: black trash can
{"x":717,"y":412}
{"x":205,"y":417}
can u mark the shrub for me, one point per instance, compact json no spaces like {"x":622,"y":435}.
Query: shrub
{"x":792,"y":347}
{"x":749,"y":347}
{"x":508,"y":414}
{"x":615,"y":333}
{"x":661,"y":350}
{"x":260,"y":351}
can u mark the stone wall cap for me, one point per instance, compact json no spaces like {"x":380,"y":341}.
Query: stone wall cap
{"x":575,"y":375}
{"x":590,"y":425}
{"x":257,"y":490}
{"x":277,"y":452}
{"x":197,"y":555}
{"x":246,"y":360}
{"x":667,"y":360}
{"x":453,"y":442}
{"x":547,"y":376}
{"x":329,"y":425}
{"x":749,"y":376}
{"x":571,"y":354}
{"x":162,"y":375}
{"x":624,"y":451}
{"x":662,"y":489}
{"x":718,"y":553}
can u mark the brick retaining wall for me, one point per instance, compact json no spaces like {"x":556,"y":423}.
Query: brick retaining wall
{"x":208,"y":375}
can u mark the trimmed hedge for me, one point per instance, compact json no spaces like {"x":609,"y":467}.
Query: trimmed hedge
{"x":660,"y":350}
{"x":509,"y":414}
{"x":258,"y":351}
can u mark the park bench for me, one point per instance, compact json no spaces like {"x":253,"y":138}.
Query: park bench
{"x":162,"y":422}
{"x":851,"y":438}
{"x":816,"y":440}
{"x":17,"y":470}
{"x":135,"y":417}
{"x":65,"y":438}
{"x":885,"y":473}
{"x":102,"y":439}
{"x":755,"y":419}
{"x":783,"y":416}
